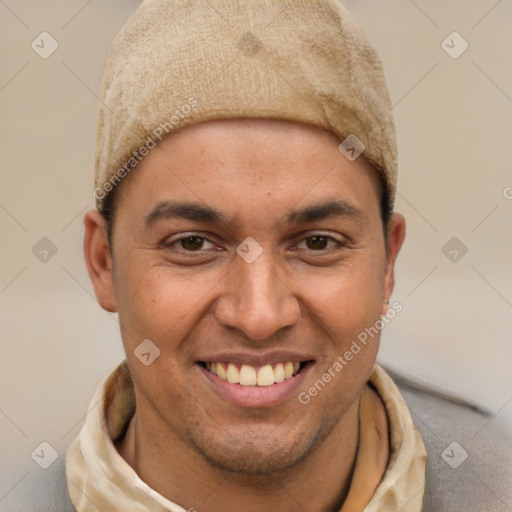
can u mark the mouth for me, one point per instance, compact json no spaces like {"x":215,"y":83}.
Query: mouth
{"x":249,"y":375}
{"x":255,"y":386}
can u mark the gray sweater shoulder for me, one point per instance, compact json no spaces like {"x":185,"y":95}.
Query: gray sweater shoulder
{"x":40,"y":490}
{"x":469,"y":453}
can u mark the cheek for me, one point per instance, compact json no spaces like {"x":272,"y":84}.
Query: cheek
{"x":348,"y":296}
{"x":158,"y":302}
{"x":347,"y":312}
{"x":346,"y":305}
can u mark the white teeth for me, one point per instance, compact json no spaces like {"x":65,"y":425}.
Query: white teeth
{"x":220,"y":371}
{"x":247,"y":375}
{"x":279,"y":373}
{"x":265,"y":376}
{"x":250,"y":376}
{"x":233,"y":375}
{"x":288,"y":370}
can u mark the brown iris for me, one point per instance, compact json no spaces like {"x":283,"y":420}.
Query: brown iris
{"x":192,"y":243}
{"x":317,"y":242}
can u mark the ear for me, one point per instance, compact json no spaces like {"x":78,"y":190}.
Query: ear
{"x":396,"y":236}
{"x":98,"y":259}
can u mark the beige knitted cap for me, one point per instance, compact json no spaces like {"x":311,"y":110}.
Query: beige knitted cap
{"x":182,"y":62}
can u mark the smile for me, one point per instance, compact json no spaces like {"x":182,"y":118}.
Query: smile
{"x":248,"y":375}
{"x":255,"y":380}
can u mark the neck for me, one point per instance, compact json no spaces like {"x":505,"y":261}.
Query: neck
{"x":318,"y":483}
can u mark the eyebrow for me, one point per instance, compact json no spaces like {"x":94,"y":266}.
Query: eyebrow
{"x":166,"y":210}
{"x":184,"y":210}
{"x":321,"y":211}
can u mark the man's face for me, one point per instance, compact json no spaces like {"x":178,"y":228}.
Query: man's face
{"x":179,"y":281}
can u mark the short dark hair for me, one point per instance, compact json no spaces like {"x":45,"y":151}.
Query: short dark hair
{"x":107,"y":212}
{"x":386,"y":210}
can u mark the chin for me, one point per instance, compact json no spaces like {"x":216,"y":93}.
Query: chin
{"x":249,"y":453}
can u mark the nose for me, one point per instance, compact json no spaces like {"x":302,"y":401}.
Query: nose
{"x":256,"y":300}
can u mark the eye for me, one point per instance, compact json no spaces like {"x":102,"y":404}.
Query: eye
{"x":320,"y":242}
{"x":190,"y":243}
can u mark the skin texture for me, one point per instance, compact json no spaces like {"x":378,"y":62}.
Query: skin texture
{"x":303,"y":295}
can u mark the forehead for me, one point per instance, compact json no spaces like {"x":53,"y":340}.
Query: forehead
{"x":244,"y":162}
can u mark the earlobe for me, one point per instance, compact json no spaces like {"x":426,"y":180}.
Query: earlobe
{"x":396,"y":236}
{"x":98,"y":259}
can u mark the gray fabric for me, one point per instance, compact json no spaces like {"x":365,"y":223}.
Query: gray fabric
{"x":482,"y":483}
{"x":42,"y":490}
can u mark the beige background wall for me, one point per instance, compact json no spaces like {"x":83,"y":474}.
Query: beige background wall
{"x":454,"y":119}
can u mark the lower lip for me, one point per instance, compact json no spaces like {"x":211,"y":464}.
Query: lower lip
{"x":256,"y":396}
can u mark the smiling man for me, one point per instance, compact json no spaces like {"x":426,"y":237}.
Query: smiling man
{"x":245,"y":179}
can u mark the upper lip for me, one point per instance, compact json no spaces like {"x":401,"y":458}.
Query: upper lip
{"x":253,"y":359}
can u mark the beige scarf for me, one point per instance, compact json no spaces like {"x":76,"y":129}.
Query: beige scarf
{"x":99,"y":478}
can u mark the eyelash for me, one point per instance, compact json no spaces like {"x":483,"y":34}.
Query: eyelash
{"x":338,"y":246}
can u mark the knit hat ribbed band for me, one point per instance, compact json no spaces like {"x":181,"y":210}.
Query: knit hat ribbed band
{"x":181,"y":62}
